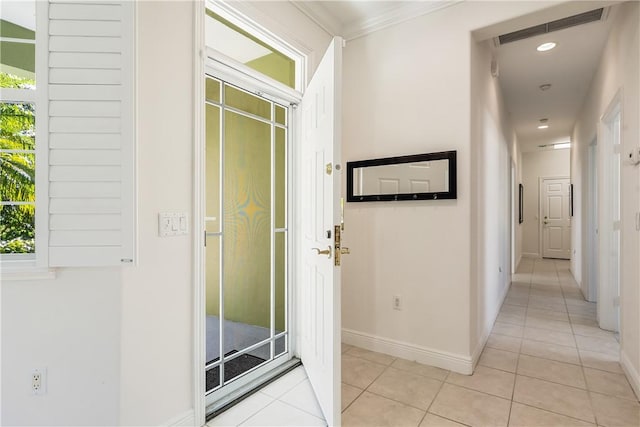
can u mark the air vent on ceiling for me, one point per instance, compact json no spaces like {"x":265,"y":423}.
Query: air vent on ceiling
{"x":559,"y":24}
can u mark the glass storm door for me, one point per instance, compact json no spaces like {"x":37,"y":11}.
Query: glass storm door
{"x":246,"y":237}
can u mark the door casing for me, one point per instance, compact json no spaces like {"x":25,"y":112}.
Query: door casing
{"x":541,"y":204}
{"x":207,"y":59}
{"x":610,"y":256}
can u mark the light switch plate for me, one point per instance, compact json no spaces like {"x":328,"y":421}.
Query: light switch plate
{"x":172,"y":224}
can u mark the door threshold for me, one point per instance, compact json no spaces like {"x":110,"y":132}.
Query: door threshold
{"x":259,"y":383}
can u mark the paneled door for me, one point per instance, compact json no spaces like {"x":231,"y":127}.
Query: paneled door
{"x":320,"y":216}
{"x":556,"y":220}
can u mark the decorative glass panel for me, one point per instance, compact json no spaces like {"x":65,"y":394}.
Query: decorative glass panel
{"x":212,"y":378}
{"x":281,"y":115}
{"x":246,"y":362}
{"x":245,"y":101}
{"x":280,"y":175}
{"x":247,"y":231}
{"x":212,"y":90}
{"x":212,"y":184}
{"x":212,"y":294}
{"x":280,"y":281}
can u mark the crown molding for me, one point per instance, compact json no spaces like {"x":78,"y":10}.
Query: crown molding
{"x":404,"y":11}
{"x":318,"y":14}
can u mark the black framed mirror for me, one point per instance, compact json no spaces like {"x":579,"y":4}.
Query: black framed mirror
{"x":429,"y":176}
{"x":520,"y":204}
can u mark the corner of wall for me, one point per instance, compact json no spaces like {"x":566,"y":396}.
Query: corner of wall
{"x":632,"y":374}
{"x":186,"y":419}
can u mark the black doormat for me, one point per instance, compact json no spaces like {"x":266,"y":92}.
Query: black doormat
{"x":232,"y":369}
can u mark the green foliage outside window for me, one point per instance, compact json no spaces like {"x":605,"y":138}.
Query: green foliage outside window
{"x":17,"y":171}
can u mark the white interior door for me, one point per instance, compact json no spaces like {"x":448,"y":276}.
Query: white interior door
{"x":319,"y":278}
{"x":556,"y":222}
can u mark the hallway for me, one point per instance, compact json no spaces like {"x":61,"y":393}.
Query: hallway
{"x":546,"y":363}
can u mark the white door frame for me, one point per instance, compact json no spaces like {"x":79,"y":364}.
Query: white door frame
{"x":591,"y":293}
{"x":541,"y":211}
{"x":514,"y":214}
{"x":236,"y":73}
{"x":609,"y":292}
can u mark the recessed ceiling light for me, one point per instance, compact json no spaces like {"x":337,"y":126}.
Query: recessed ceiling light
{"x":543,"y":126}
{"x":561,"y":145}
{"x":546,"y":46}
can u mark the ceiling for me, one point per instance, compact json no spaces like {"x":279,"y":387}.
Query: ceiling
{"x":569,"y":67}
{"x":354,"y":18}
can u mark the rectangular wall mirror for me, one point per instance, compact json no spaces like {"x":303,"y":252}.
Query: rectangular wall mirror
{"x":520,"y":204}
{"x":429,"y":176}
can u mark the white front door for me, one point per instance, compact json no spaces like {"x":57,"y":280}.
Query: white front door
{"x":320,"y":185}
{"x":556,"y":222}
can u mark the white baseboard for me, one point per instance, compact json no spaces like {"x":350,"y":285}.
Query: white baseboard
{"x":632,"y":373}
{"x":441,"y":359}
{"x":530,"y":255}
{"x":186,"y":419}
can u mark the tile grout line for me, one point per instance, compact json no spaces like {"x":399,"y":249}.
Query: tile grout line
{"x":515,"y":375}
{"x":300,"y":409}
{"x":435,"y":396}
{"x":584,"y":375}
{"x":518,"y":362}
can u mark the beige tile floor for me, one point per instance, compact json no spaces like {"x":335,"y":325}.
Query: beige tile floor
{"x":546,"y":363}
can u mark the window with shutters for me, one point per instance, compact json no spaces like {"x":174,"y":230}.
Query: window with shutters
{"x":68,"y":154}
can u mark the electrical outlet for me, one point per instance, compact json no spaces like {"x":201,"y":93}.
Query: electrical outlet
{"x":39,"y":381}
{"x":397,"y":302}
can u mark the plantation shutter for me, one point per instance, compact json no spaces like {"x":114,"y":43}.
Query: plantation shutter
{"x":91,"y":133}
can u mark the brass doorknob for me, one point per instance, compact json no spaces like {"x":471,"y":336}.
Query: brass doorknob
{"x":345,"y":251}
{"x":326,"y":252}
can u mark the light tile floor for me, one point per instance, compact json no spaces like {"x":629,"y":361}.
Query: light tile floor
{"x":288,"y":401}
{"x":546,"y":363}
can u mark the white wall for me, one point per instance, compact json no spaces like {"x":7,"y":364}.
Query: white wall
{"x":493,"y":148}
{"x":407,"y":91}
{"x":71,"y":327}
{"x":618,"y":70}
{"x":157,"y":297}
{"x":536,"y":165}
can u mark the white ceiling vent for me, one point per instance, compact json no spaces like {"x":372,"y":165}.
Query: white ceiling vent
{"x":559,"y":24}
